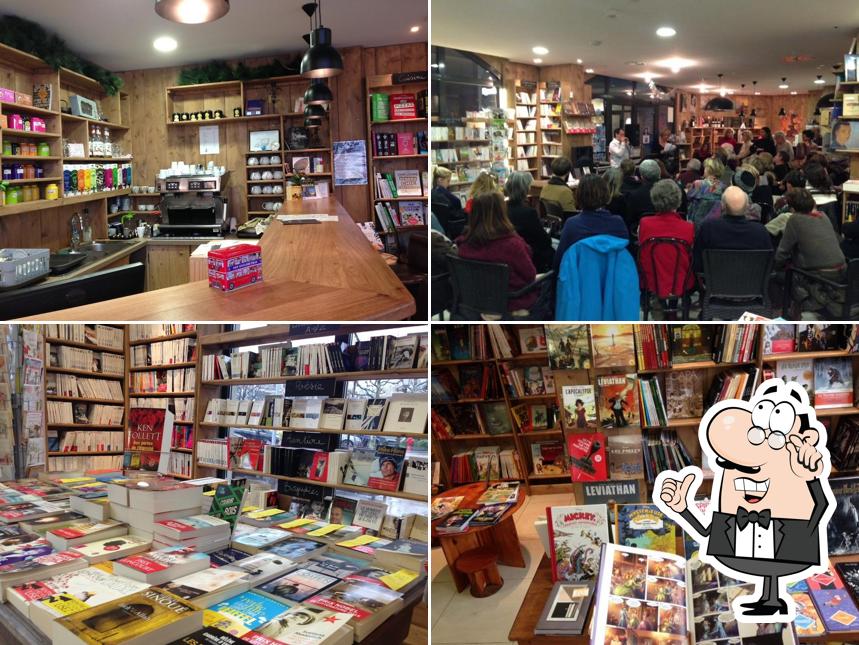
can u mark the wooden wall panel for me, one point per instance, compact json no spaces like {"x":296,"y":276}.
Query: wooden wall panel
{"x":49,"y":228}
{"x":155,"y":145}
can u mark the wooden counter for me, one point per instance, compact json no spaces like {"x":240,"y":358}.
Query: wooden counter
{"x":311,"y":272}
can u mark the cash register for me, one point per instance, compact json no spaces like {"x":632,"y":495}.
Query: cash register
{"x":193,"y":205}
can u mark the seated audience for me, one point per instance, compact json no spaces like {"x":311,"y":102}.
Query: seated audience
{"x":731,"y":230}
{"x":782,"y":165}
{"x":807,"y":146}
{"x":630,"y":181}
{"x":821,"y":188}
{"x":556,"y":189}
{"x":441,"y":188}
{"x":666,"y":196}
{"x":729,"y":138}
{"x":638,"y":201}
{"x":490,"y":237}
{"x":691,"y":174}
{"x":728,"y":165}
{"x":447,"y":206}
{"x":485,"y":184}
{"x":766,"y":143}
{"x":526,"y":220}
{"x":746,"y":178}
{"x":809,"y":242}
{"x":594,"y":218}
{"x":763,"y":192}
{"x":794,"y":179}
{"x":747,"y":147}
{"x":440,"y":246}
{"x":783,"y":145}
{"x":705,"y":195}
{"x":616,"y":198}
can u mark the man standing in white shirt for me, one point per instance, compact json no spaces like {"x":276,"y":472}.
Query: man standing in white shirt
{"x":618,"y":149}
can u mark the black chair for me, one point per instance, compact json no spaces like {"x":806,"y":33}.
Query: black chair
{"x":441,"y":294}
{"x":767,"y":212}
{"x":736,"y":281}
{"x":850,"y":288}
{"x":479,"y":288}
{"x":669,"y":247}
{"x":833,"y":212}
{"x":452,"y":221}
{"x":551,"y":207}
{"x":74,"y":292}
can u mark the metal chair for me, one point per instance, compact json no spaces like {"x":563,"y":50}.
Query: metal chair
{"x":667,"y":247}
{"x":479,"y":288}
{"x":850,"y":288}
{"x":736,"y":281}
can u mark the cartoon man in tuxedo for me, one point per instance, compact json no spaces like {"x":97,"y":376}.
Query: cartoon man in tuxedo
{"x":771,"y":500}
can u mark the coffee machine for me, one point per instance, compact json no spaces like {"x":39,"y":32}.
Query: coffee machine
{"x":193,"y":205}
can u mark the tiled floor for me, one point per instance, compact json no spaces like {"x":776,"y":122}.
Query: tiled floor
{"x":461,"y":619}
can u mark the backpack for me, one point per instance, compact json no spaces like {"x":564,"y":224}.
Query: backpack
{"x":704,"y":206}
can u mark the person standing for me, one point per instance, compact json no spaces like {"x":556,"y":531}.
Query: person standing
{"x":618,"y":149}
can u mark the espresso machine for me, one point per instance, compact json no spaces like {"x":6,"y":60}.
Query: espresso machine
{"x":193,"y":205}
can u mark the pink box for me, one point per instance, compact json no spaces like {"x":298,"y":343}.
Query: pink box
{"x":23,"y":99}
{"x":7,"y":95}
{"x":16,"y":122}
{"x":37,"y":124}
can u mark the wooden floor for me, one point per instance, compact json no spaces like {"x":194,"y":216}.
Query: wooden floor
{"x":418,"y":634}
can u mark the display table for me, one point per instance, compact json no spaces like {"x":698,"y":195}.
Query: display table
{"x":501,"y":536}
{"x":522,"y":631}
{"x":16,"y":629}
{"x":325,"y":271}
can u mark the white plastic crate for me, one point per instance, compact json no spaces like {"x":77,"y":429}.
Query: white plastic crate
{"x":18,"y":266}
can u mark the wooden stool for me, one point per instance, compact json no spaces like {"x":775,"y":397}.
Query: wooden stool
{"x":481,"y":567}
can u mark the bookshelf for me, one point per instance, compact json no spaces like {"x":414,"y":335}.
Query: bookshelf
{"x":525,"y":145}
{"x":208,"y":389}
{"x":686,"y":428}
{"x":389,"y":213}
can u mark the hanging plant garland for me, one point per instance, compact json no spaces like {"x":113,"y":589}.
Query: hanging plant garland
{"x":32,"y":38}
{"x":218,"y":71}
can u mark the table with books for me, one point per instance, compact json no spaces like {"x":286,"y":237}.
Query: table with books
{"x":498,"y":533}
{"x":151,"y":560}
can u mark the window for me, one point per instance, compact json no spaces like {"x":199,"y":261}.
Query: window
{"x":462,"y":82}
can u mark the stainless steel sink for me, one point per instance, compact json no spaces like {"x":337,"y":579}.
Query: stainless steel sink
{"x":110,"y":246}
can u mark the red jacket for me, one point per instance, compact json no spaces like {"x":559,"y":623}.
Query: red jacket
{"x":669,"y":272}
{"x":513,"y":251}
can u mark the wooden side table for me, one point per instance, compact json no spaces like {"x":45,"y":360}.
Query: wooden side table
{"x":502,"y":537}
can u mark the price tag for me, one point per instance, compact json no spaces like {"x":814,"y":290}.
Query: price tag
{"x":325,"y":530}
{"x":399,"y":579}
{"x":361,"y":540}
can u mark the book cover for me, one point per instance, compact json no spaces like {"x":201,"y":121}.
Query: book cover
{"x":261,"y":538}
{"x":842,"y":532}
{"x":252,"y":609}
{"x":684,"y":394}
{"x":133,"y":616}
{"x":625,"y":459}
{"x":304,"y":625}
{"x":150,"y":436}
{"x":820,"y":338}
{"x":370,"y":515}
{"x":566,"y":609}
{"x":296,"y":548}
{"x":112,"y":548}
{"x":779,"y":339}
{"x":496,"y":418}
{"x":335,"y":564}
{"x":691,"y":343}
{"x":587,"y":456}
{"x":162,"y":559}
{"x":800,"y":371}
{"x":488,"y":515}
{"x":203,"y":582}
{"x":342,"y":510}
{"x":210,"y":636}
{"x":444,"y":506}
{"x":333,"y":414}
{"x":576,"y":536}
{"x":374,"y":414}
{"x":298,"y":585}
{"x":617,"y":403}
{"x":359,"y":599}
{"x":456,"y":521}
{"x":548,"y":457}
{"x":644,"y":526}
{"x":569,"y":347}
{"x":532,"y":340}
{"x":849,"y":572}
{"x":833,"y":382}
{"x":580,"y":409}
{"x":533,"y":382}
{"x":387,"y":468}
{"x":68,"y":593}
{"x":613,"y":345}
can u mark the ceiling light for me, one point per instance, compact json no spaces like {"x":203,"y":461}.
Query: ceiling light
{"x":579,"y":61}
{"x":415,"y":29}
{"x":589,"y":70}
{"x":820,"y":80}
{"x":192,"y":12}
{"x":666,"y":32}
{"x":540,"y":51}
{"x":675,"y":63}
{"x":321,"y":59}
{"x":318,"y":93}
{"x":537,"y":61}
{"x":310,"y":123}
{"x":316,"y":112}
{"x":165,"y":44}
{"x":784,"y":84}
{"x":793,"y":93}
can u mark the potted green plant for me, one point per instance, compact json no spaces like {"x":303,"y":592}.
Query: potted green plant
{"x":293,"y":187}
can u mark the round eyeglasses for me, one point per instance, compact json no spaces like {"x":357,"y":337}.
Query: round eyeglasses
{"x":775,"y":439}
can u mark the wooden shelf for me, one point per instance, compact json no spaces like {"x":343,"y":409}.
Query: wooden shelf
{"x":159,"y":339}
{"x":161,"y":394}
{"x":168,"y":366}
{"x":357,"y":489}
{"x":95,"y":348}
{"x":78,"y":199}
{"x":378,"y":433}
{"x":394,"y":157}
{"x":534,"y":397}
{"x":230,"y":119}
{"x":401,"y":199}
{"x":96,"y":159}
{"x":548,"y":476}
{"x":84,"y":426}
{"x":41,"y":180}
{"x":28,"y":134}
{"x":105,"y":124}
{"x":87,"y":373}
{"x":91,"y":453}
{"x":476,"y":437}
{"x":789,"y":356}
{"x":420,"y":119}
{"x":418,"y":372}
{"x":28,"y":158}
{"x":178,"y":476}
{"x":282,"y":332}
{"x":80,"y":399}
{"x":700,"y":365}
{"x":541,"y":434}
{"x":184,"y":450}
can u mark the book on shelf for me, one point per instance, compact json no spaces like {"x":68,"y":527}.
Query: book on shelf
{"x":146,"y":331}
{"x":624,"y":452}
{"x":403,"y":413}
{"x":369,"y":605}
{"x":779,"y":339}
{"x":652,"y":346}
{"x":168,"y":352}
{"x":617,"y":400}
{"x":101,"y":335}
{"x":305,"y":624}
{"x":819,"y":338}
{"x":586,"y":454}
{"x":163,"y":380}
{"x":684,"y":394}
{"x":576,"y":535}
{"x":387,"y":468}
{"x":645,"y":526}
{"x":800,"y":371}
{"x":652,"y":403}
{"x":416,"y":477}
{"x":150,"y":436}
{"x":548,"y":458}
{"x":664,"y":450}
{"x":251,"y":609}
{"x":569,"y":347}
{"x":833,"y":383}
{"x":613,"y":345}
{"x":84,"y":531}
{"x":692,"y":343}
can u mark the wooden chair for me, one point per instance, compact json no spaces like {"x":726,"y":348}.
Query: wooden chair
{"x":481,"y":567}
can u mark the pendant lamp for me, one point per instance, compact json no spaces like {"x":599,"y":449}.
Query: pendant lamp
{"x":781,"y":112}
{"x":321,"y":60}
{"x":192,"y":12}
{"x":318,"y":93}
{"x":310,"y":123}
{"x":315,"y":112}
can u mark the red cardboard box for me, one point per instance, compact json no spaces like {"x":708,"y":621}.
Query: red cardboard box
{"x":235,"y":267}
{"x":403,"y":106}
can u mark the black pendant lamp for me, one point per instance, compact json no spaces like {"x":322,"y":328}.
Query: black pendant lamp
{"x":318,"y":93}
{"x":315,"y":112}
{"x":310,"y":123}
{"x":781,"y":112}
{"x":321,"y":60}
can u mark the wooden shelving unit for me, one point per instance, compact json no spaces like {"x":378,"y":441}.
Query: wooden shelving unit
{"x":525,"y":154}
{"x":210,"y":389}
{"x":395,"y":238}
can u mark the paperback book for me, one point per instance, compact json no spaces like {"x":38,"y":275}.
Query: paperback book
{"x":580,"y":410}
{"x":617,"y":402}
{"x":576,"y":536}
{"x":644,"y":526}
{"x":613,"y":345}
{"x":569,"y":347}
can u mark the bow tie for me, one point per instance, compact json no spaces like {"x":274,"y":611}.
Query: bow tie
{"x":744,"y":517}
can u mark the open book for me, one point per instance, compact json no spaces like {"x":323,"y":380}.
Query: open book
{"x":650,"y":596}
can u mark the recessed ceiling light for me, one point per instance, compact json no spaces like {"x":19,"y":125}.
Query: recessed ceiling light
{"x":589,"y":70}
{"x":666,"y":32}
{"x":579,"y":61}
{"x":540,"y":51}
{"x":192,"y":12}
{"x":793,"y":92}
{"x":757,"y":93}
{"x":538,"y":60}
{"x":165,"y":44}
{"x":675,"y":63}
{"x":415,"y":29}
